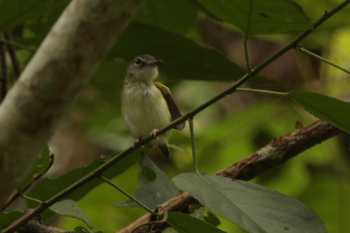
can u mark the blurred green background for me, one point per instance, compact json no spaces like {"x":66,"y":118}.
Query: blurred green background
{"x":233,"y":128}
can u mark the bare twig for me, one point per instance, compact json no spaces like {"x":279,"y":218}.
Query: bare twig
{"x":14,"y":60}
{"x":4,"y":70}
{"x":276,"y":152}
{"x":36,"y":226}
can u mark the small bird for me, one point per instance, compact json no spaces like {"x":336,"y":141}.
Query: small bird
{"x":147,"y":105}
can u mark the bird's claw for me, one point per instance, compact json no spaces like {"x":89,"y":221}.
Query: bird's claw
{"x":136,"y":142}
{"x":154,"y":134}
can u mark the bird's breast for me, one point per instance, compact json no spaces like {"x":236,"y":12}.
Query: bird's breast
{"x":144,"y":109}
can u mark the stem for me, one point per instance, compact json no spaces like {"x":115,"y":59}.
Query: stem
{"x":246,"y":37}
{"x":123,"y":154}
{"x":21,"y":46}
{"x":14,"y":60}
{"x":104,"y":179}
{"x":32,"y":199}
{"x":194,"y":152}
{"x":301,"y":49}
{"x":4,"y":71}
{"x":261,"y":91}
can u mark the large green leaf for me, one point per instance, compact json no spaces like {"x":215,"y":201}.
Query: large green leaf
{"x":71,"y":209}
{"x":184,"y":223}
{"x":183,"y":58}
{"x":326,"y":108}
{"x":15,"y":12}
{"x":260,"y":16}
{"x":154,"y":188}
{"x":252,"y":207}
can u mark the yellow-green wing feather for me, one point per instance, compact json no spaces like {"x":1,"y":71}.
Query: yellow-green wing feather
{"x":173,"y":109}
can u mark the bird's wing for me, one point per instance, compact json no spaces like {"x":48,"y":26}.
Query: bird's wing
{"x":173,"y":109}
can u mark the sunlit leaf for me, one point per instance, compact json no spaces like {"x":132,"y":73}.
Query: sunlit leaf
{"x":71,"y":209}
{"x":252,"y":207}
{"x":329,"y":109}
{"x":184,"y":223}
{"x":267,"y":16}
{"x":211,"y":218}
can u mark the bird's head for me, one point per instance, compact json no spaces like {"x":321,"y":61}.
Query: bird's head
{"x":143,"y":68}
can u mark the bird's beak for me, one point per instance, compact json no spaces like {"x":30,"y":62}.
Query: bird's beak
{"x":157,"y":62}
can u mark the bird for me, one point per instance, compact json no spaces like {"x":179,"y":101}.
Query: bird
{"x":146,"y":105}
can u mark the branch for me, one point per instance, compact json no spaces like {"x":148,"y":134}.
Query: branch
{"x":273,"y":154}
{"x":36,"y":226}
{"x":61,"y":67}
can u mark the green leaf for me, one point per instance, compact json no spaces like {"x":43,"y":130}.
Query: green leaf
{"x":252,"y":207}
{"x":211,"y":218}
{"x":326,"y":108}
{"x":184,"y":223}
{"x":40,"y":167}
{"x":267,"y":16}
{"x":165,"y":14}
{"x":7,"y":218}
{"x":16,"y":12}
{"x":183,"y":58}
{"x":154,"y":188}
{"x":47,"y":188}
{"x":71,"y":209}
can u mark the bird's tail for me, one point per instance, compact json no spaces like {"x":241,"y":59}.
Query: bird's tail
{"x":163,"y":147}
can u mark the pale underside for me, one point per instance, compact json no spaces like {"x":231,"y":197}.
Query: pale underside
{"x":144,"y":109}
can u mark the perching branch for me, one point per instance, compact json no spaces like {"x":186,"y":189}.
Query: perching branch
{"x":273,"y":154}
{"x":61,"y":67}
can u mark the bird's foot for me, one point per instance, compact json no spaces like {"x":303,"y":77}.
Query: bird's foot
{"x":136,"y":142}
{"x":154,"y":134}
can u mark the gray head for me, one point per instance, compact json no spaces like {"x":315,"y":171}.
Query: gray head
{"x":143,"y":68}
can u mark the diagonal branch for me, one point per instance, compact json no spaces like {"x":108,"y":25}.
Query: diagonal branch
{"x":273,"y":154}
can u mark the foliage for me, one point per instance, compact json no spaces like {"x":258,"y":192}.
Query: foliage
{"x":161,"y":30}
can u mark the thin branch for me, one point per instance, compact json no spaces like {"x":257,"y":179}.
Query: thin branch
{"x":262,"y":91}
{"x":273,"y":154}
{"x":131,"y":197}
{"x":13,"y":56}
{"x":193,"y":142}
{"x":4,"y":71}
{"x":301,"y":49}
{"x":35,"y":225}
{"x":21,"y":46}
{"x":246,"y":38}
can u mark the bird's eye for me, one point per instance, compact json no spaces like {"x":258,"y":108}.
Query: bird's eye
{"x":138,"y":61}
